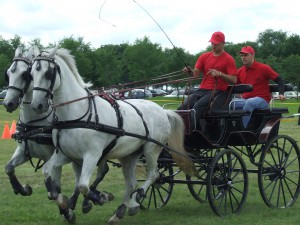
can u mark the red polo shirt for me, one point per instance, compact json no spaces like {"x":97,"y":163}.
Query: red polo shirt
{"x":224,"y":63}
{"x":258,"y":75}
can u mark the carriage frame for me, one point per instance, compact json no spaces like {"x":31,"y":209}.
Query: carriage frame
{"x":219,"y":158}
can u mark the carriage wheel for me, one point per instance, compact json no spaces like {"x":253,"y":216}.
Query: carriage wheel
{"x":279,"y":172}
{"x":159,"y":193}
{"x":227,"y":183}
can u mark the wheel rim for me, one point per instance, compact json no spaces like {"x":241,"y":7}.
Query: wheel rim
{"x":198,"y":191}
{"x":201,"y":160}
{"x":279,"y":172}
{"x":227,"y":183}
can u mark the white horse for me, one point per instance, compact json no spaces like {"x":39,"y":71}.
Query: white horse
{"x":32,"y":141}
{"x":87,"y":127}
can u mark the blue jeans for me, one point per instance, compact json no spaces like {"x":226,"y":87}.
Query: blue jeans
{"x":249,"y":105}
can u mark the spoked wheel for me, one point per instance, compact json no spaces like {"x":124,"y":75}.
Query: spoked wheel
{"x":158,"y":194}
{"x":227,"y":183}
{"x":279,"y":172}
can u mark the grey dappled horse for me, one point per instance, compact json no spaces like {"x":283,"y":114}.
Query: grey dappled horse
{"x":90,"y":128}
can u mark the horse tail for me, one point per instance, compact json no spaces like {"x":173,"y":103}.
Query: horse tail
{"x":176,"y":142}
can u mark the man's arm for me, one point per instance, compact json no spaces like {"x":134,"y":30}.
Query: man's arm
{"x":281,"y":87}
{"x":231,"y":79}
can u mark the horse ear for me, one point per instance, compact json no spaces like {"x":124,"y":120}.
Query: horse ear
{"x":53,"y":52}
{"x":32,"y":52}
{"x":18,"y":51}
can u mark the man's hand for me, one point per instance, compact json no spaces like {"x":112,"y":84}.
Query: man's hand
{"x":187,"y":69}
{"x":214,"y":73}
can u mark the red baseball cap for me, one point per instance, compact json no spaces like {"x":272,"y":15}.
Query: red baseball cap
{"x":217,"y":38}
{"x":247,"y":49}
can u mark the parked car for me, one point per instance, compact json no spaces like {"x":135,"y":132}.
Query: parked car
{"x":176,"y":93}
{"x":158,"y":92}
{"x":290,"y":95}
{"x":2,"y":96}
{"x":138,"y":93}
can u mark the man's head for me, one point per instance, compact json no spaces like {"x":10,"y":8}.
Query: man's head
{"x":217,"y":42}
{"x":247,"y":54}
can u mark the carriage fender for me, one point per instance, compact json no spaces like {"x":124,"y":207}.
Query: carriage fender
{"x":267,"y":130}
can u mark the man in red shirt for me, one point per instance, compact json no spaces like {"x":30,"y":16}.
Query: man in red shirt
{"x":218,"y":69}
{"x":258,"y":75}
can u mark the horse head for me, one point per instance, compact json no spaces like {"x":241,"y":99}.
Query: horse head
{"x":50,"y":71}
{"x":18,"y":77}
{"x":44,"y":74}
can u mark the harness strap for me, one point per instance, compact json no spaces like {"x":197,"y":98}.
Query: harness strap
{"x":141,"y":115}
{"x":112,"y":130}
{"x":89,"y":125}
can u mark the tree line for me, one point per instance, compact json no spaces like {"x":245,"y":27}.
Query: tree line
{"x":110,"y":65}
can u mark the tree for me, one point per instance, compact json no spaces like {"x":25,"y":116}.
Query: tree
{"x":271,"y":42}
{"x":143,"y":60}
{"x":291,"y":66}
{"x":291,"y":46}
{"x":83,"y":55}
{"x":108,"y":68}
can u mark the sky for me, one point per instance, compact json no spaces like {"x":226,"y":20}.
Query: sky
{"x":186,"y":24}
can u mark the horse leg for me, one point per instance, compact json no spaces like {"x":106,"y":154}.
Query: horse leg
{"x":53,"y":168}
{"x":103,"y":168}
{"x":74,"y":197}
{"x":128,"y":164}
{"x":17,"y":159}
{"x":151,"y":153}
{"x":89,"y":163}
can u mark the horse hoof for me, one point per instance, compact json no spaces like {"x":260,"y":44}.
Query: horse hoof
{"x":133,"y":211}
{"x":86,"y":207}
{"x":28,"y":190}
{"x":71,"y":217}
{"x":107,"y":197}
{"x":113,"y":220}
{"x":62,"y":201}
{"x":121,"y":211}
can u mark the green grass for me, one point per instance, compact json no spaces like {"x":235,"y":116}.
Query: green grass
{"x":181,"y":209}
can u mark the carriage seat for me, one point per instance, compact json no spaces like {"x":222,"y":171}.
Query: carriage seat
{"x":218,"y":109}
{"x":274,"y":87}
{"x":220,"y":104}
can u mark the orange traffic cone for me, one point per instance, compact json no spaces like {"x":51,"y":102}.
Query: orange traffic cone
{"x":13,"y":127}
{"x":6,"y":134}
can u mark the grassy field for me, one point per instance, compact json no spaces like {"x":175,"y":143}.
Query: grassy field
{"x":181,"y":209}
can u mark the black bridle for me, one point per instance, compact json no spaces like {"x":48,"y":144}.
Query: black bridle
{"x":50,"y":74}
{"x":26,"y":75}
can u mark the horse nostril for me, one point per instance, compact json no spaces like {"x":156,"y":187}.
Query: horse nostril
{"x":40,"y":107}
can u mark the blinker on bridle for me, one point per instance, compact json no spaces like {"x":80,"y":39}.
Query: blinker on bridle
{"x":50,"y":74}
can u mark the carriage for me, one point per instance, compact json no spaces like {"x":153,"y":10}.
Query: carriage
{"x":219,"y":157}
{"x":221,"y":173}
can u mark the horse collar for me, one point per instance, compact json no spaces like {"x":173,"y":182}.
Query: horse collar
{"x":108,"y":98}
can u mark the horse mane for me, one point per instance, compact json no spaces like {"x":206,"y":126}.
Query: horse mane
{"x":69,"y":59}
